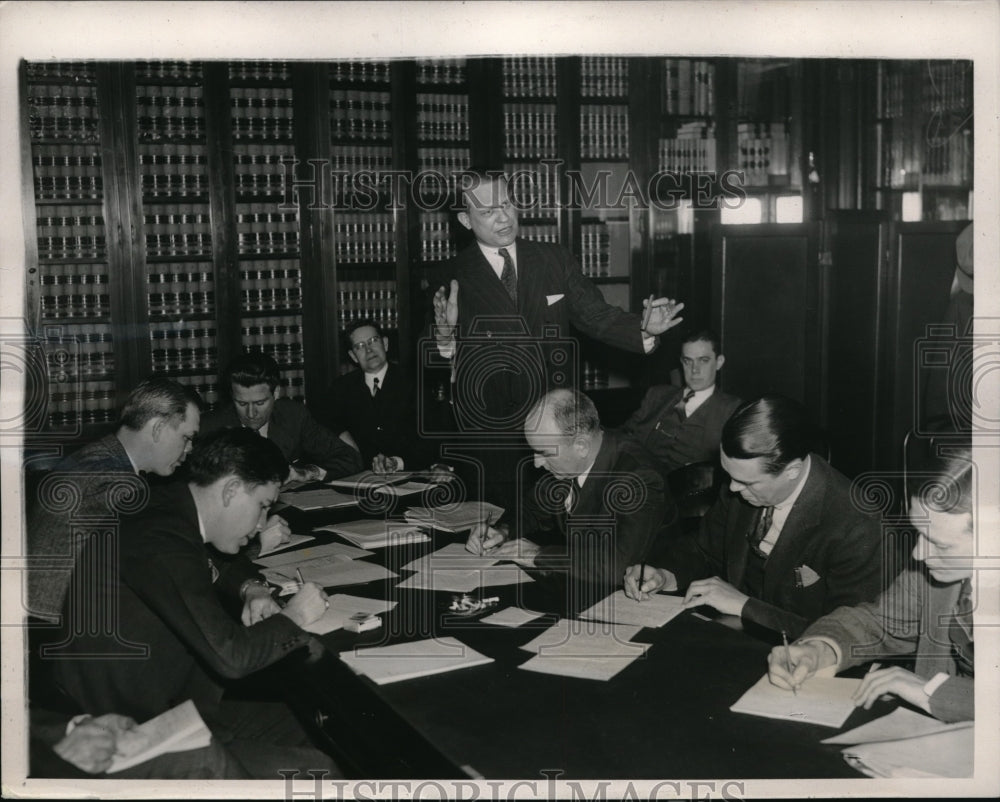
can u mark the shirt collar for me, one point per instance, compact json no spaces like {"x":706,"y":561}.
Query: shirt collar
{"x":790,"y":501}
{"x":370,"y":377}
{"x":495,"y":259}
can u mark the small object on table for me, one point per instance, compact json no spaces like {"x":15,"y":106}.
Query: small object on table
{"x":362,"y":622}
{"x":465,"y":605}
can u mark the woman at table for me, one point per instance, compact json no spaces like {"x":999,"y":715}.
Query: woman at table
{"x":926,"y":612}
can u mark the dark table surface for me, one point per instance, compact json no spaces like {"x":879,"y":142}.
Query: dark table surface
{"x":666,"y":715}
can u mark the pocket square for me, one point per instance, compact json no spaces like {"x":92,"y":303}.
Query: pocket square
{"x":554,"y":299}
{"x":805,"y":576}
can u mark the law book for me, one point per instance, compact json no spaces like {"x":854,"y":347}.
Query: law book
{"x":403,"y":661}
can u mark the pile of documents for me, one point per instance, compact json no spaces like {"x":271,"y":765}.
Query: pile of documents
{"x":384,"y":664}
{"x":584,"y":649}
{"x":455,"y":517}
{"x":327,"y":565}
{"x":377,"y":533}
{"x":455,"y":570}
{"x":396,"y":484}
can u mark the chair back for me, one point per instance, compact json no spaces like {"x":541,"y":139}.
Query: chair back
{"x":694,"y":488}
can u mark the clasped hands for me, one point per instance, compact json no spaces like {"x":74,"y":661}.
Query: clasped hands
{"x":714,"y":592}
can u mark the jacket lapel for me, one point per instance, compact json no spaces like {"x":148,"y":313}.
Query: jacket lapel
{"x":801,"y":526}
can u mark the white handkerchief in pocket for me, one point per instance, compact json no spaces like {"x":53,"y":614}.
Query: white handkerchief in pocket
{"x":805,"y":576}
{"x":554,"y":299}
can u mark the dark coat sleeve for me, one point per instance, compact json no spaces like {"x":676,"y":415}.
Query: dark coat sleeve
{"x":594,"y":316}
{"x":320,"y":446}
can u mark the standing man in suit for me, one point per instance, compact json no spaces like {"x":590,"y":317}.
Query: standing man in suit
{"x":681,"y":425}
{"x":509,"y":334}
{"x":603,"y":512}
{"x":783,"y":544}
{"x":157,"y":425}
{"x":313,"y":451}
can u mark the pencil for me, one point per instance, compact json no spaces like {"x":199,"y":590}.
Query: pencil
{"x":788,"y":657}
{"x":648,"y":312}
{"x":298,"y":573}
{"x":642,"y":574}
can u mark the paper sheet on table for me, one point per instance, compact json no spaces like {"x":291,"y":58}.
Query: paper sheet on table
{"x":511,"y":617}
{"x":402,"y":661}
{"x":459,"y":580}
{"x":330,"y":571}
{"x":377,"y":533}
{"x":600,"y":668}
{"x":293,"y":540}
{"x":367,"y":479}
{"x":326,"y":550}
{"x":455,"y":517}
{"x":342,"y":607}
{"x":317,"y":499}
{"x":820,"y":700}
{"x":950,"y":753}
{"x":177,"y":730}
{"x":405,"y":489}
{"x":900,"y":724}
{"x":453,"y":555}
{"x":620,"y":609}
{"x":573,"y":638}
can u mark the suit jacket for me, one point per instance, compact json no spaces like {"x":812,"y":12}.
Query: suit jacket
{"x":509,"y":355}
{"x":294,"y":430}
{"x":911,"y":617}
{"x":173,"y":636}
{"x":99,"y":481}
{"x":623,"y":501}
{"x":841,"y":547}
{"x":673,"y":442}
{"x":385,"y":423}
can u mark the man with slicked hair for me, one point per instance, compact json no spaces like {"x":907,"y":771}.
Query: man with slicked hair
{"x":783,"y":544}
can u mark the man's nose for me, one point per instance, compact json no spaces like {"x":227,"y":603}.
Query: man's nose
{"x":252,"y":412}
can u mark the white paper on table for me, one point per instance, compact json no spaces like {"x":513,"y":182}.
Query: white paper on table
{"x":405,"y":489}
{"x":949,"y":753}
{"x":575,"y":638}
{"x":900,"y":724}
{"x":461,"y":580}
{"x":618,"y":608}
{"x":454,"y":555}
{"x":820,"y":700}
{"x":401,"y":661}
{"x":369,"y":479}
{"x":455,"y":517}
{"x":377,"y":533}
{"x":330,"y":572}
{"x":602,"y":667}
{"x":325,"y":551}
{"x":511,"y":617}
{"x":326,"y":498}
{"x":177,"y":730}
{"x":293,"y":540}
{"x":342,"y":607}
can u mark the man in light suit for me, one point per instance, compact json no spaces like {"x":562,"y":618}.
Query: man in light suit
{"x":783,"y":544}
{"x":681,"y":425}
{"x":313,"y":451}
{"x":509,"y":336}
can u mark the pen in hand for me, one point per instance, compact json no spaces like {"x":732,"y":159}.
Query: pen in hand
{"x":649,"y":311}
{"x":788,"y":658}
{"x":642,"y":575}
{"x":302,"y":582}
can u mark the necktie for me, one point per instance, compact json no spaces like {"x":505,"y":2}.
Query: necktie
{"x":960,"y":629}
{"x":508,"y":276}
{"x":375,"y":387}
{"x":681,"y":407}
{"x":570,"y":496}
{"x":759,"y":530}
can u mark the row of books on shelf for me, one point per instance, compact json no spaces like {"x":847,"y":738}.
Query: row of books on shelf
{"x":947,"y":86}
{"x":79,"y":352}
{"x":66,"y":172}
{"x":688,"y":86}
{"x":270,"y":284}
{"x":73,"y":100}
{"x":69,"y":71}
{"x":168,"y":70}
{"x":66,"y":302}
{"x":603,"y":76}
{"x":594,"y":376}
{"x":258,"y":129}
{"x":595,"y":251}
{"x":693,"y":149}
{"x":442,"y":116}
{"x":441,"y":71}
{"x":353,"y":158}
{"x":279,"y":337}
{"x":891,"y":99}
{"x":87,"y":402}
{"x":435,"y":237}
{"x":360,"y":114}
{"x":181,"y":349}
{"x":58,"y":122}
{"x":259,"y":71}
{"x":529,"y":76}
{"x":540,"y":232}
{"x":948,"y":161}
{"x":530,"y":131}
{"x":360,"y":71}
{"x":364,"y":237}
{"x":274,"y":101}
{"x":367,"y":300}
{"x":604,"y":132}
{"x":762,"y":151}
{"x":88,"y":243}
{"x":174,"y":289}
{"x":441,"y":162}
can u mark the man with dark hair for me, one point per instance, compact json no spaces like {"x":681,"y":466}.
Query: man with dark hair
{"x":599,"y":477}
{"x":682,"y":425}
{"x":507,"y":334}
{"x":169,"y":594}
{"x":157,"y":425}
{"x":314,"y":452}
{"x":784,"y":543}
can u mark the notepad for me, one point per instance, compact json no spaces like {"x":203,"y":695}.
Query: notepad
{"x":820,"y":700}
{"x":369,"y":479}
{"x":455,"y":517}
{"x":402,"y":661}
{"x":342,"y":607}
{"x":459,"y":580}
{"x":655,"y":611}
{"x":895,"y":726}
{"x":293,"y":558}
{"x":511,"y":617}
{"x":177,"y":730}
{"x":595,"y":650}
{"x":948,"y":753}
{"x":377,"y":533}
{"x":293,"y":540}
{"x":404,"y":489}
{"x":331,"y":571}
{"x":325,"y":498}
{"x":454,"y":555}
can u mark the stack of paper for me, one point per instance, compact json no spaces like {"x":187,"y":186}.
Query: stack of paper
{"x":329,"y":572}
{"x":454,"y":555}
{"x":620,"y":609}
{"x":460,"y":580}
{"x":511,"y":617}
{"x":584,"y":649}
{"x":455,"y":517}
{"x":377,"y":533}
{"x":819,"y":700}
{"x":327,"y":550}
{"x":177,"y":730}
{"x":369,"y":479}
{"x":325,"y":498}
{"x":342,"y":607}
{"x":401,"y":661}
{"x":293,"y":540}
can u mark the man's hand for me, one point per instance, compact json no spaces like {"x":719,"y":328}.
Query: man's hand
{"x":905,"y":684}
{"x":520,"y":550}
{"x":258,"y":604}
{"x":446,"y":313}
{"x":307,"y":605}
{"x":274,"y":533}
{"x":92,"y":743}
{"x":715,"y":593}
{"x":661,"y":316}
{"x":383,"y":464}
{"x":305,"y":473}
{"x":439,"y":472}
{"x":484,"y":538}
{"x":653,"y":579}
{"x":806,"y":659}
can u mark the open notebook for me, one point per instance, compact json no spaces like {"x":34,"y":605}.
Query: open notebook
{"x":401,"y":661}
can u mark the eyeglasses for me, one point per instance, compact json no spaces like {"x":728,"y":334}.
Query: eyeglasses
{"x":361,"y":345}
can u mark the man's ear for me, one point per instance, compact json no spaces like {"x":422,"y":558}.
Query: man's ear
{"x":793,"y":470}
{"x":157,"y":428}
{"x":385,"y":344}
{"x":720,"y":360}
{"x":581,"y":445}
{"x":229,"y":489}
{"x":353,"y":356}
{"x":463,"y":218}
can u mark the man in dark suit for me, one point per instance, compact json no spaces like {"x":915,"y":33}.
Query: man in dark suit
{"x":509,"y":336}
{"x":681,"y":425}
{"x":314,"y":452}
{"x":169,"y":594}
{"x":784,"y":543}
{"x":157,"y":424}
{"x":603,"y":512}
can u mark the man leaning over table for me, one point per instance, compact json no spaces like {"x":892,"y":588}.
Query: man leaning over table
{"x":783,"y":544}
{"x":604,"y":511}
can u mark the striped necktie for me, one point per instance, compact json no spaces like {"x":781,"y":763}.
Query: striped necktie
{"x":508,"y":276}
{"x":762,"y":524}
{"x":681,"y":407}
